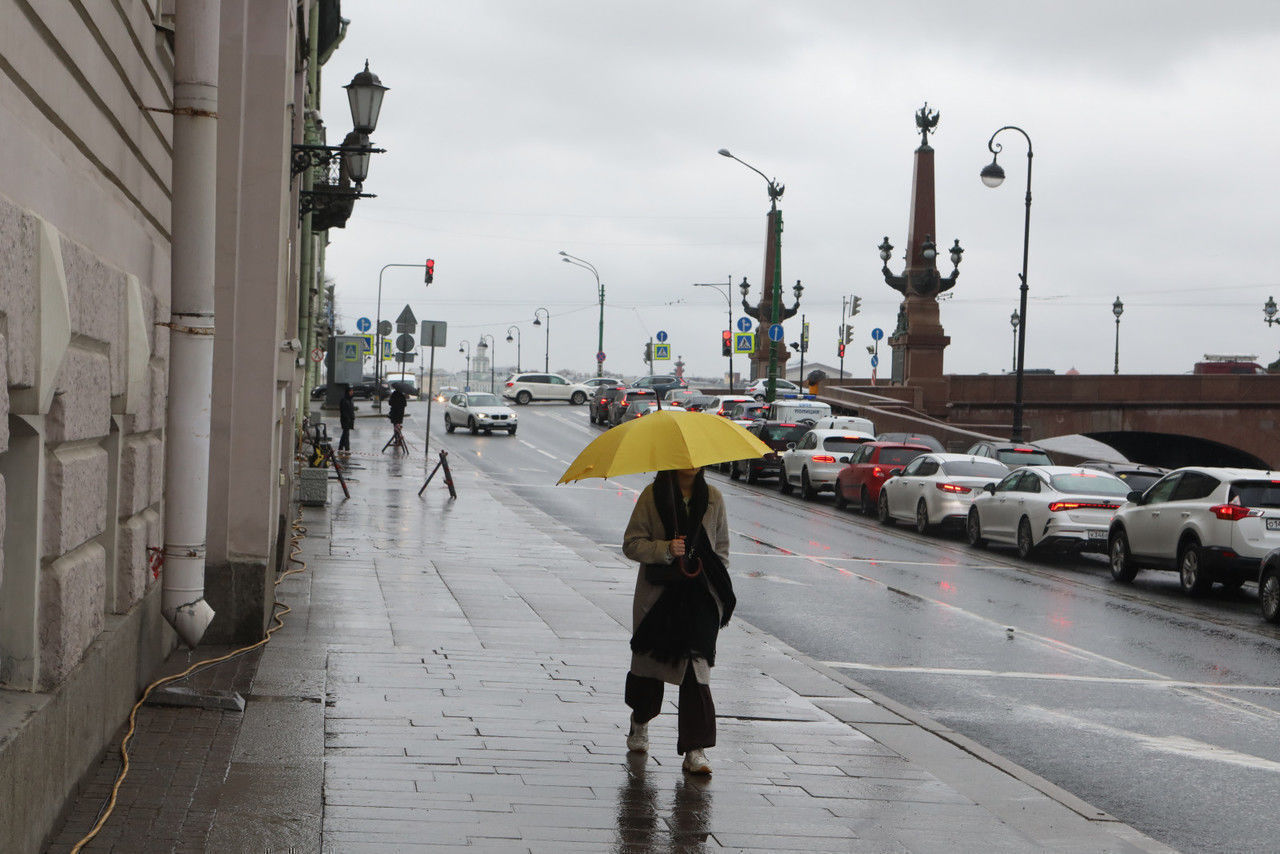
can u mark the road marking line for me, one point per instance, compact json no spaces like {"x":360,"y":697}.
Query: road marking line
{"x":1052,"y":677}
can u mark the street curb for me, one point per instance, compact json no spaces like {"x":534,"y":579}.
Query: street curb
{"x":968,"y":746}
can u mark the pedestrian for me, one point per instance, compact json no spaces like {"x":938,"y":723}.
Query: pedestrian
{"x":679,"y":533}
{"x":395,"y":406}
{"x":346,"y":418}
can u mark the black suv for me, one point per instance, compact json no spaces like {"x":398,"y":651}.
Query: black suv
{"x":619,"y":405}
{"x":600,"y":402}
{"x":660,"y":383}
{"x":1136,"y":475}
{"x":775,"y":434}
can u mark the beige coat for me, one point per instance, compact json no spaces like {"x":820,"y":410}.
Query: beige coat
{"x":645,"y":541}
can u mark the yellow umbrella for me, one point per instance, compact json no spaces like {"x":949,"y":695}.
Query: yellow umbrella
{"x":664,"y":440}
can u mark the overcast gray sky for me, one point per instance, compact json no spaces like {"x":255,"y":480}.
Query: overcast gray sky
{"x":515,"y":130}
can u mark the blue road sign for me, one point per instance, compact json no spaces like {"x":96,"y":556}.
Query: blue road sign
{"x":600,"y":357}
{"x":744,"y":324}
{"x":661,"y":336}
{"x":875,"y":361}
{"x":775,"y":332}
{"x":661,"y":352}
{"x":877,"y":334}
{"x":364,"y":324}
{"x":744,"y":342}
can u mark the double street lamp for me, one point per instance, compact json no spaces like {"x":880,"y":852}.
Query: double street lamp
{"x":464,"y":346}
{"x":993,"y":176}
{"x":775,"y":216}
{"x":516,"y":330}
{"x":1117,"y":308}
{"x":546,"y":354}
{"x":587,"y":265}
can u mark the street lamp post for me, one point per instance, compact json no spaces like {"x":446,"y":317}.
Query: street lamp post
{"x":485,"y":349}
{"x":1269,"y":311}
{"x":1014,"y":320}
{"x":587,"y":265}
{"x":377,"y":356}
{"x":993,"y":176}
{"x":464,"y":346}
{"x":546,"y":354}
{"x":1117,"y":308}
{"x":728,"y":301}
{"x":775,"y":193}
{"x":516,"y":330}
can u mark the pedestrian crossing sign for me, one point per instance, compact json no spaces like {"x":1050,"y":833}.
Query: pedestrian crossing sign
{"x":661,"y":352}
{"x":351,"y":351}
{"x":744,"y":342}
{"x":386,"y":351}
{"x":366,"y":341}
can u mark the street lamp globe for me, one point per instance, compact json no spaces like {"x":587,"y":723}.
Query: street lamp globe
{"x":797,"y":290}
{"x":928,"y":250}
{"x":1117,"y":308}
{"x":886,"y":249}
{"x":356,"y":156}
{"x":1014,"y":320}
{"x":956,"y":253}
{"x":992,"y":174}
{"x":745,"y":287}
{"x":1269,"y":309}
{"x":364,"y":94}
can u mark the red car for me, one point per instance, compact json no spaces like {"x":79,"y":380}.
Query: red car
{"x":870,"y":466}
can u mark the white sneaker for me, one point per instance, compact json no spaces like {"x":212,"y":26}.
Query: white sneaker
{"x":638,"y":738}
{"x":695,"y":762}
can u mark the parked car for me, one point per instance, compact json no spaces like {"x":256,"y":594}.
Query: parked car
{"x":1012,"y":454}
{"x":318,"y":392}
{"x":815,"y":460}
{"x":525,"y":388}
{"x":777,"y":435}
{"x":722,"y":404}
{"x":868,"y":468}
{"x":697,"y":402}
{"x":945,"y":483}
{"x":679,"y":396}
{"x":620,"y":406}
{"x":758,"y":388}
{"x":913,"y":439}
{"x":600,"y":401}
{"x":1210,"y":524}
{"x":1138,"y":477}
{"x":845,"y":422}
{"x":600,"y":382}
{"x":479,"y":410}
{"x":1269,"y":587}
{"x":1063,"y":507}
{"x":445,"y":392}
{"x":660,"y":383}
{"x":370,"y":388}
{"x":748,"y":412}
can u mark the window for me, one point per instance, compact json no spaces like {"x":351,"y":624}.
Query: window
{"x":840,"y":443}
{"x":975,"y":468}
{"x":1089,"y":484}
{"x":1162,"y":490}
{"x":1010,"y":483}
{"x":554,"y":380}
{"x":1023,"y":457}
{"x":898,"y":456}
{"x":928,"y":468}
{"x":913,"y":467}
{"x":1255,"y":493}
{"x":1194,"y":485}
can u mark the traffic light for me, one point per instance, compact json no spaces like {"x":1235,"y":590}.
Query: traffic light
{"x":726,"y":343}
{"x":431,"y":270}
{"x":848,"y":334}
{"x":840,"y":349}
{"x":855,"y":306}
{"x":648,"y":351}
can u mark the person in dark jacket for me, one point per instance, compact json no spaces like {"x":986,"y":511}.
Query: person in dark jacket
{"x":395,"y":406}
{"x":346,"y":418}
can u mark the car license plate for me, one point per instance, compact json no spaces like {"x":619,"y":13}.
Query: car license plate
{"x":1273,"y":524}
{"x":1101,"y":535}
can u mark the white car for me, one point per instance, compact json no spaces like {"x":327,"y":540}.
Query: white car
{"x":478,"y":410}
{"x":757,"y":389}
{"x":845,"y":422}
{"x":934,"y":489}
{"x":748,"y":412}
{"x":1065,"y":507}
{"x":1210,"y":524}
{"x":815,"y":460}
{"x":723,"y":404}
{"x":525,"y":388}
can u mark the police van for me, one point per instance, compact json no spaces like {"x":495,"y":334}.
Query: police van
{"x":797,"y":409}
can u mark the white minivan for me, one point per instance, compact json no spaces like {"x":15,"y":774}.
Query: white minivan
{"x":796,"y":410}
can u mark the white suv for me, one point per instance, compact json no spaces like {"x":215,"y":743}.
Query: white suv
{"x":1210,"y":524}
{"x":524,"y":388}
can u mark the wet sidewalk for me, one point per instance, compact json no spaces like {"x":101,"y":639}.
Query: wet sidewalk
{"x":451,"y":677}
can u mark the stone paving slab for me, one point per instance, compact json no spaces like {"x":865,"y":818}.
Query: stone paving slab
{"x":451,"y":679}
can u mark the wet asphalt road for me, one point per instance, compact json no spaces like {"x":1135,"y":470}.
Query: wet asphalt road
{"x":1161,"y":710}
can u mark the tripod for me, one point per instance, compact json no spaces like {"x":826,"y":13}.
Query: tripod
{"x":396,"y":441}
{"x":448,"y":476}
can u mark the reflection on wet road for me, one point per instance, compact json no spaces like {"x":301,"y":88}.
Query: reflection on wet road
{"x":1160,"y":709}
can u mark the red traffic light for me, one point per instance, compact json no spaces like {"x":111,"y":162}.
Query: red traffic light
{"x":840,"y":351}
{"x":726,"y":342}
{"x":431,"y":270}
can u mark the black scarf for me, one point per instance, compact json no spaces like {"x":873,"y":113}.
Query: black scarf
{"x":684,"y":620}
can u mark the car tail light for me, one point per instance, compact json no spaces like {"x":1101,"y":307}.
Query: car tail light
{"x":510,"y":384}
{"x":1233,"y":512}
{"x":877,"y":472}
{"x":823,"y":458}
{"x":955,"y":488}
{"x":1082,"y":505}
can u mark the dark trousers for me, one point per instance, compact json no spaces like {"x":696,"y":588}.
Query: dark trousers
{"x":344,"y":441}
{"x":696,"y":715}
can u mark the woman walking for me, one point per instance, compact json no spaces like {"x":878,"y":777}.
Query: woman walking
{"x":679,"y":533}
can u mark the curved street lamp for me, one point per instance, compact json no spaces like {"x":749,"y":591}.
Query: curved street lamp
{"x":993,"y":176}
{"x":546,"y":354}
{"x":587,"y":265}
{"x":775,"y":192}
{"x":729,"y":301}
{"x":464,"y":346}
{"x":1117,"y":308}
{"x":516,"y":330}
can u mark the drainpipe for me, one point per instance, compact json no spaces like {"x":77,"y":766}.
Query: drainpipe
{"x":191,"y":329}
{"x":307,"y":273}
